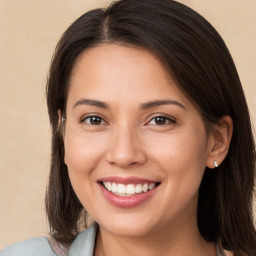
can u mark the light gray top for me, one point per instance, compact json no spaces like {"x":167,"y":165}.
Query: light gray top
{"x":83,"y":245}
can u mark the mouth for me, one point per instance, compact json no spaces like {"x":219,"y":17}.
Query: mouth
{"x":121,"y":189}
{"x":127,"y":192}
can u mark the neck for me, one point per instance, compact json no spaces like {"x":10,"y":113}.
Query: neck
{"x":164,"y":241}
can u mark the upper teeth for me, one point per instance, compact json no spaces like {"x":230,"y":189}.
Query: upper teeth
{"x":129,"y":189}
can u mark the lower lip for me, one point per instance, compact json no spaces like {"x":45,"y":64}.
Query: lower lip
{"x":127,"y":201}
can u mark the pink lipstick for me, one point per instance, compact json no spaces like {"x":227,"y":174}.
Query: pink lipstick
{"x":127,"y":192}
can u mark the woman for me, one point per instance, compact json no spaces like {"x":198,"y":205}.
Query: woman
{"x":151,"y":137}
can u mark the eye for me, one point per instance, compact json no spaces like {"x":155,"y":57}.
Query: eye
{"x":94,"y":120}
{"x":161,"y":120}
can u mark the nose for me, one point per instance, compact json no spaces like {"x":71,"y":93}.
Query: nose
{"x":125,"y":149}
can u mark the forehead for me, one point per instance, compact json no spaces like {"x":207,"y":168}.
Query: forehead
{"x":120,"y":69}
{"x":110,"y":60}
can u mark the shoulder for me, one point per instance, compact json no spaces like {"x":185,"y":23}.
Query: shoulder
{"x":36,"y":246}
{"x":41,"y":246}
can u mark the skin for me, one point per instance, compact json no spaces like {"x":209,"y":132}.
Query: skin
{"x":128,"y":141}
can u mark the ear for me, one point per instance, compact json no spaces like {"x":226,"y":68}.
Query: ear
{"x":61,"y":129}
{"x":219,"y":141}
{"x":60,"y":118}
{"x":61,"y":121}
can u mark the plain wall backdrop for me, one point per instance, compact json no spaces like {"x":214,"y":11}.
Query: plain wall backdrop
{"x":29,"y":31}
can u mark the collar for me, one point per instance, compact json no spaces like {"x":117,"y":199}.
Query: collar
{"x":84,"y":243}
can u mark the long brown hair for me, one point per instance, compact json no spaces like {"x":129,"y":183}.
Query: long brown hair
{"x":202,"y":67}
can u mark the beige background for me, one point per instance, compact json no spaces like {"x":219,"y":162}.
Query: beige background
{"x":29,"y":30}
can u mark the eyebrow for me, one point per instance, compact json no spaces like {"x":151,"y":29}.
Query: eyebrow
{"x":157,"y":103}
{"x":146,"y":105}
{"x":90,"y":102}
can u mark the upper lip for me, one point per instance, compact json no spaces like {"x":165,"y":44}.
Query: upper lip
{"x":126,"y":180}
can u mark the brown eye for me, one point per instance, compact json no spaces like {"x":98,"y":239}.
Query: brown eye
{"x":160,"y":120}
{"x":94,"y":120}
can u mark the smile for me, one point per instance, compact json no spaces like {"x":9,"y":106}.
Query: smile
{"x":128,"y":190}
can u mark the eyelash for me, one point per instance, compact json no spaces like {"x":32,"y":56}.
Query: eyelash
{"x":166,"y":119}
{"x":91,"y":118}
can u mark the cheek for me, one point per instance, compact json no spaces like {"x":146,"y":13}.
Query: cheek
{"x":190,"y":155}
{"x":182,"y":158}
{"x":182,"y":162}
{"x":184,"y":148}
{"x":82,"y":152}
{"x":81,"y":157}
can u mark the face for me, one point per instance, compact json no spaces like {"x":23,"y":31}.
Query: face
{"x":135,"y":146}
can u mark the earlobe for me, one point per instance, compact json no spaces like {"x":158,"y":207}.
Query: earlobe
{"x":219,"y":142}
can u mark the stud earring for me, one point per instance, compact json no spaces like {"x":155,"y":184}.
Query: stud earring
{"x":215,"y":163}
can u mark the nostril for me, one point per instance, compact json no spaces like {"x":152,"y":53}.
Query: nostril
{"x":133,"y":163}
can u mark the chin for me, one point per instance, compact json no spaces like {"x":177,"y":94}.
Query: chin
{"x":130,"y":226}
{"x":127,"y":230}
